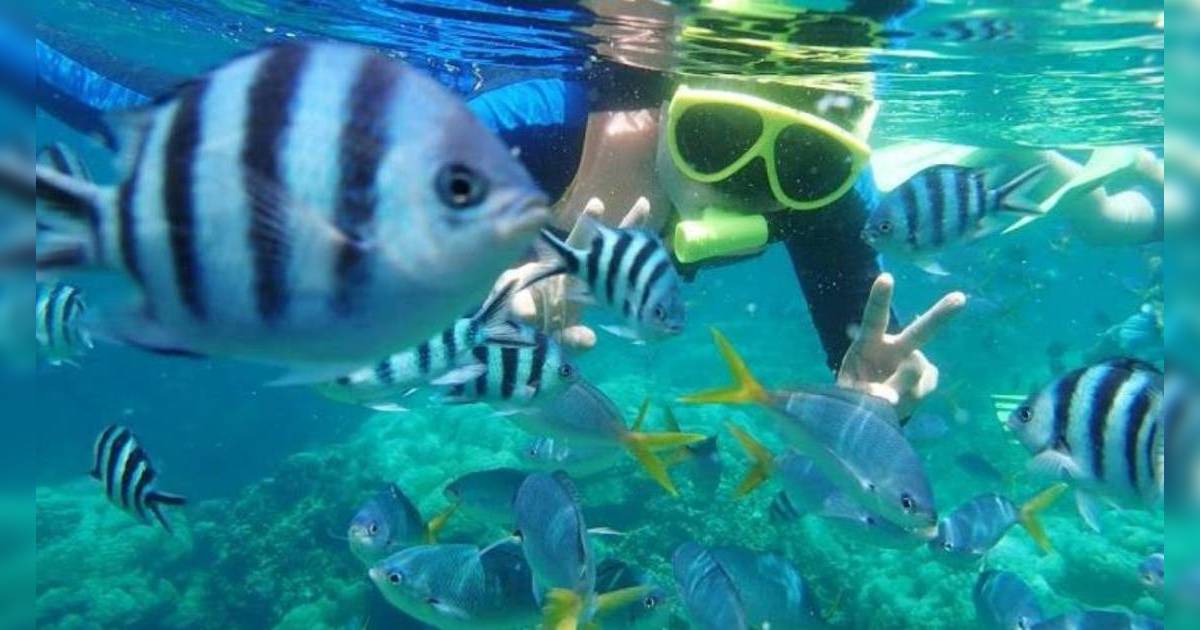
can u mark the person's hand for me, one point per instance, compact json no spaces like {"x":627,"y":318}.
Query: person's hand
{"x":546,"y":304}
{"x":889,"y":366}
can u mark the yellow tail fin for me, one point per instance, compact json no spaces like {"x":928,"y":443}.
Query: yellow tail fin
{"x":641,"y":417}
{"x":615,"y":600}
{"x":561,"y":610}
{"x":1029,"y":512}
{"x":745,"y":388}
{"x":438,"y":523}
{"x":643,"y":445}
{"x":760,"y":468}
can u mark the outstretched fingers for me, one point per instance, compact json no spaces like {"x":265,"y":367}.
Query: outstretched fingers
{"x":923,"y":329}
{"x":877,"y":312}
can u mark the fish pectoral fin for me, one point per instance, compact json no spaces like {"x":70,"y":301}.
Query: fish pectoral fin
{"x":436,"y":524}
{"x":460,"y":375}
{"x":139,"y":329}
{"x":386,"y":407}
{"x":930,"y":266}
{"x":446,"y":609}
{"x":605,"y":531}
{"x":562,"y":609}
{"x":1089,"y":509}
{"x":1055,"y":465}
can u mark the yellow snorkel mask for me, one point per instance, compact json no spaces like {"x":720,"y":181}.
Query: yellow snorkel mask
{"x":717,"y":137}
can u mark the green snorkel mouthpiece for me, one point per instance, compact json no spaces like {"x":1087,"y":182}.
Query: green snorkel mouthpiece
{"x":718,"y":232}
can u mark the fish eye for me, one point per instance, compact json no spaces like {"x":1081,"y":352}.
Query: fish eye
{"x":1025,"y":414}
{"x":650,"y":601}
{"x":884,"y":227}
{"x":566,"y":371}
{"x":660,"y":313}
{"x":870,"y":520}
{"x":459,"y":186}
{"x":907,"y":503}
{"x":395,"y":578}
{"x":948,"y":546}
{"x":373,"y":528}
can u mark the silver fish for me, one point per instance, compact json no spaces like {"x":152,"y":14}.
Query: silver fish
{"x":1153,"y":571}
{"x":514,"y":378}
{"x":854,"y":438}
{"x":938,"y":207}
{"x":557,"y":546}
{"x":1100,"y":428}
{"x":128,"y":476}
{"x":1005,"y":602}
{"x":550,"y":453}
{"x":385,"y":524}
{"x":630,"y":272}
{"x":458,"y":587}
{"x":312,"y":205}
{"x":58,"y":311}
{"x":967,"y":533}
{"x":732,"y":587}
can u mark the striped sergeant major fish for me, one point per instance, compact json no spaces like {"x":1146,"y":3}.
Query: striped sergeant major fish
{"x":513,"y":377}
{"x":1100,"y":428}
{"x":976,"y":29}
{"x":444,"y":359}
{"x":940,"y":206}
{"x":627,"y":270}
{"x":310,"y":205}
{"x":128,"y":476}
{"x":60,"y":334}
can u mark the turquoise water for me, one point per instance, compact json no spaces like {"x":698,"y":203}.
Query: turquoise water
{"x":275,"y":474}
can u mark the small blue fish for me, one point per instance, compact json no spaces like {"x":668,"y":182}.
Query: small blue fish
{"x":1153,"y":572}
{"x":385,"y":524}
{"x":487,"y":495}
{"x":1004,"y":602}
{"x":556,"y":543}
{"x":459,"y":587}
{"x":647,"y":613}
{"x":732,"y":587}
{"x":966,"y":534}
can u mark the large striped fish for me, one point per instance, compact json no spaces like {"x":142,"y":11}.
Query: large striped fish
{"x":58,"y":310}
{"x":128,"y":476}
{"x":443,"y":359}
{"x":1101,"y":429}
{"x":313,"y":205}
{"x":629,"y":271}
{"x":940,"y":206}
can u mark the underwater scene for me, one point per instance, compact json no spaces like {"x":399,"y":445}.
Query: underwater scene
{"x":617,"y":314}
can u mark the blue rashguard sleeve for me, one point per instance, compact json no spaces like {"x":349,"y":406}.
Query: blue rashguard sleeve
{"x":544,"y":121}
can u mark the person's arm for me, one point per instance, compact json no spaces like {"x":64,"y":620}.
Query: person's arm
{"x":834,"y":266}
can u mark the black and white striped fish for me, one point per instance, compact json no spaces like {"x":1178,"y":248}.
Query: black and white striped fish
{"x":514,"y":377}
{"x":1101,"y":429}
{"x":58,"y":310}
{"x":444,"y":359}
{"x":977,"y":29}
{"x":940,"y":206}
{"x":312,"y":205}
{"x":629,"y":271}
{"x":128,"y":477}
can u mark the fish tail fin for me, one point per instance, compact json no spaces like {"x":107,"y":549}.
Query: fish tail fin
{"x":1028,"y":514}
{"x":562,"y":609}
{"x":492,"y":324}
{"x":438,"y":523}
{"x":1007,"y":199}
{"x":71,"y":209}
{"x":620,"y":598}
{"x":643,"y":445}
{"x":641,"y":416}
{"x":166,"y":498}
{"x":760,"y":468}
{"x":745,"y":388}
{"x":563,"y":259}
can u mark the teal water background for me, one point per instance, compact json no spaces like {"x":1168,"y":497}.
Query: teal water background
{"x":271,"y":471}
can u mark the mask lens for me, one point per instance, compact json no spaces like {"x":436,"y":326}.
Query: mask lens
{"x":710,"y":137}
{"x":810,"y":165}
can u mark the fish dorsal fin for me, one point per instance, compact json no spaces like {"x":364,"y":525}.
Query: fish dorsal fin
{"x":1132,"y":364}
{"x":129,"y":129}
{"x":567,"y":484}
